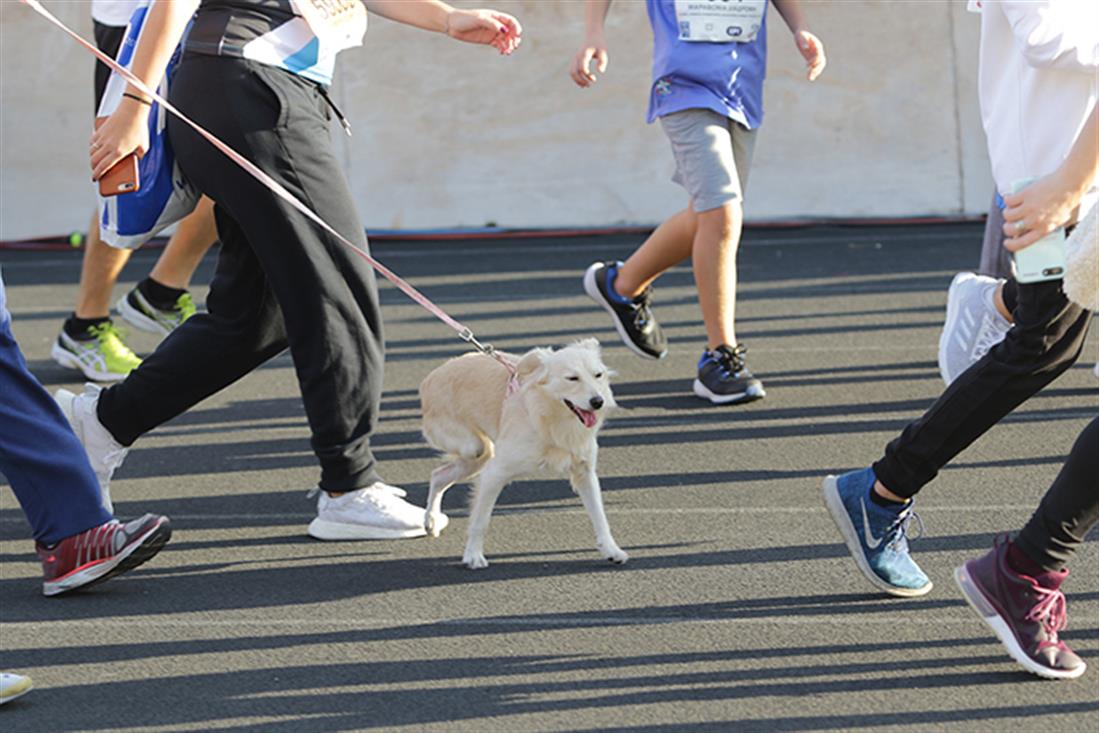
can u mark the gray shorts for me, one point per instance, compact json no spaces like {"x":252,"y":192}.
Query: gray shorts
{"x":712,"y":156}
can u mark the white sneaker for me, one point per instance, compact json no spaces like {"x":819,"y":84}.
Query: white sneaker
{"x":973,"y":325}
{"x":104,"y":452}
{"x":377,"y":512}
{"x":13,"y":686}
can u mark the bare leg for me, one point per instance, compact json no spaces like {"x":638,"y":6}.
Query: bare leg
{"x":98,"y":274}
{"x":666,"y":247}
{"x":714,"y":256}
{"x":194,"y":236}
{"x":586,"y":484}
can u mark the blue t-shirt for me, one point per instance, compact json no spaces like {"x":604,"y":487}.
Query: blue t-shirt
{"x":725,"y":77}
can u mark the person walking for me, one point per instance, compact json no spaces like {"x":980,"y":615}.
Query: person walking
{"x":89,"y":341}
{"x":255,"y":73}
{"x":77,"y":538}
{"x":1038,"y":90}
{"x":1016,"y":587}
{"x":709,"y":60}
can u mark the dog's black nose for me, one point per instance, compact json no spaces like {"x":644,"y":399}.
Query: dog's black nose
{"x":596,"y":402}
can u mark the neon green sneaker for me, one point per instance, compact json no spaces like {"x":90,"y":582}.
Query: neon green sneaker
{"x":136,"y":310}
{"x":103,"y":357}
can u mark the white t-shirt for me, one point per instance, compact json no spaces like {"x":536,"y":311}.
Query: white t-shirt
{"x":1038,"y":81}
{"x":113,"y":12}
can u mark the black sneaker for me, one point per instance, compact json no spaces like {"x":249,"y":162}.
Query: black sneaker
{"x":723,"y":377}
{"x":633,"y":319}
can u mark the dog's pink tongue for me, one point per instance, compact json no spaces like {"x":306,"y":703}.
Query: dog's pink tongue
{"x":588,"y":417}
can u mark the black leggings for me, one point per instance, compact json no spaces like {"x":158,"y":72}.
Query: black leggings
{"x":1069,"y":509}
{"x":280,"y":280}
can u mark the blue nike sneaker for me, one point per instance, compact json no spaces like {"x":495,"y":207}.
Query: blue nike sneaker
{"x":875,"y":535}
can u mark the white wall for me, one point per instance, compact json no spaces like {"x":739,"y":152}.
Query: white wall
{"x":448,"y":134}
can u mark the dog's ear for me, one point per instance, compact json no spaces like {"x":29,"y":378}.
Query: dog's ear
{"x":590,"y":344}
{"x":532,"y":367}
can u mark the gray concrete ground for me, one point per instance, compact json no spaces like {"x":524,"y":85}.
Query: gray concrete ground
{"x":739,"y":608}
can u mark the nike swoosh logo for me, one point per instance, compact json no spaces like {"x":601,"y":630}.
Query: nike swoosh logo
{"x":871,"y":542}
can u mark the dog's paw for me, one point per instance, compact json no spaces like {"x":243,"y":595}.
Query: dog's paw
{"x":474,"y":561}
{"x":616,"y":555}
{"x":435,"y":523}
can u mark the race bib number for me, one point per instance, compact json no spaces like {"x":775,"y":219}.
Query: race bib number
{"x":719,"y":21}
{"x":337,"y":24}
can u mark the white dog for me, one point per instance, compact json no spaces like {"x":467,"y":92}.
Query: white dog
{"x":548,"y":421}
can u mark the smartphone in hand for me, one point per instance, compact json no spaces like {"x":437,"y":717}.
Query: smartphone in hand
{"x":122,"y":177}
{"x":1045,"y":259}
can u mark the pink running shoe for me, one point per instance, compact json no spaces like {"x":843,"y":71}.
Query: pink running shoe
{"x":100,"y":553}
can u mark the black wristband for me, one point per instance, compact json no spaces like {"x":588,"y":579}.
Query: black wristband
{"x":139,"y":99}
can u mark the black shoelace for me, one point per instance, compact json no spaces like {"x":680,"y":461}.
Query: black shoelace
{"x":641,"y":313}
{"x":731,"y":361}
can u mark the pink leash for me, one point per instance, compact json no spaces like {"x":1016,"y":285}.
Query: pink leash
{"x":464,"y":332}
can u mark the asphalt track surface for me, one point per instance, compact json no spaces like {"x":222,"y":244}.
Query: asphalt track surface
{"x":739,"y":609}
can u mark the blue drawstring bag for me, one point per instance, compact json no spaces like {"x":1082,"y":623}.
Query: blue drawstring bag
{"x":129,"y":220}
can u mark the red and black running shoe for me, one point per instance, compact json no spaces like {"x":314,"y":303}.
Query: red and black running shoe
{"x":101,"y":552}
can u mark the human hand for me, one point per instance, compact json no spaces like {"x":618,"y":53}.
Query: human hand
{"x":125,"y":131}
{"x":812,"y":50}
{"x":594,"y":49}
{"x":486,"y":27}
{"x":1042,"y":207}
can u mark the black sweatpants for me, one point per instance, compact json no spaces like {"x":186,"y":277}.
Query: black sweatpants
{"x":1069,"y":509}
{"x":280,"y":280}
{"x":1046,"y":339}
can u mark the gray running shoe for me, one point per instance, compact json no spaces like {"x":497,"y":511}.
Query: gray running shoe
{"x":973,"y":325}
{"x":724,"y":378}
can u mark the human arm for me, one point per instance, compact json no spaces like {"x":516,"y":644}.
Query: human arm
{"x":1052,"y":202}
{"x":594,"y":46}
{"x":810,"y":47}
{"x":1055,"y":34}
{"x":127,"y":129}
{"x":487,"y":27}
